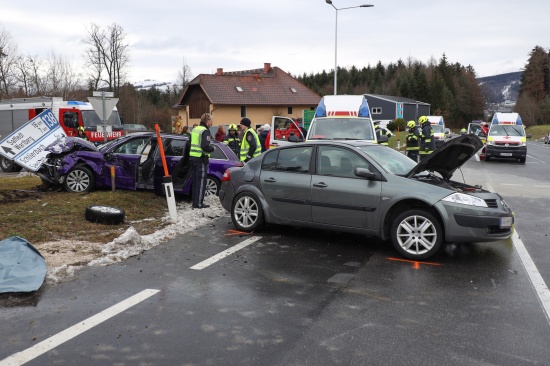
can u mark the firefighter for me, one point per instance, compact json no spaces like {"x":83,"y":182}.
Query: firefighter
{"x":412,"y":141}
{"x":463,"y":131}
{"x":250,"y":144}
{"x":198,"y":156}
{"x":81,"y":133}
{"x":381,"y":132}
{"x":427,"y":141}
{"x":232,"y":139}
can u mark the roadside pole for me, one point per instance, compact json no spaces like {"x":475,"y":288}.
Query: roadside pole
{"x":167,"y":181}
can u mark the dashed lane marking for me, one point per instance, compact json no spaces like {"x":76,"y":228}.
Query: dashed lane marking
{"x":38,"y":349}
{"x":207,"y":262}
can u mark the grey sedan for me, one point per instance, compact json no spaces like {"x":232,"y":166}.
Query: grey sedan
{"x":370,"y":189}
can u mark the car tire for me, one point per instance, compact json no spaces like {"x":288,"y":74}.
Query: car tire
{"x":416,"y":234}
{"x":522,"y":160}
{"x":9,"y":166}
{"x":246,"y":212}
{"x":104,"y":214}
{"x":487,"y":158}
{"x":80,"y":179}
{"x":212,"y":186}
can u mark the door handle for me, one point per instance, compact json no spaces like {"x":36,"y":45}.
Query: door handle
{"x":270,"y":180}
{"x":320,"y":185}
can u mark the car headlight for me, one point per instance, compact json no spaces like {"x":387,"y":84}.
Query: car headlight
{"x":523,"y":143}
{"x":465,"y":199}
{"x":490,"y":142}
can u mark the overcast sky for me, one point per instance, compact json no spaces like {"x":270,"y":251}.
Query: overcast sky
{"x":494,"y":36}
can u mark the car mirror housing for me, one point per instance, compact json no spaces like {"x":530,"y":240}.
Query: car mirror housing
{"x":382,"y":139}
{"x":365,"y":173}
{"x":529,"y":136}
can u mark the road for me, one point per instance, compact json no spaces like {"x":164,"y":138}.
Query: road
{"x":300,"y":297}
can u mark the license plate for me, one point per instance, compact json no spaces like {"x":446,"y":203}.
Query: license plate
{"x":505,"y":222}
{"x":505,"y":154}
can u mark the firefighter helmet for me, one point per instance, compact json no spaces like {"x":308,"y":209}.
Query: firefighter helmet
{"x":422,"y":119}
{"x":411,"y":124}
{"x":81,"y":129}
{"x":232,"y":127}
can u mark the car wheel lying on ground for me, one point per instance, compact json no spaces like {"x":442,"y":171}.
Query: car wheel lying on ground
{"x":369,"y":189}
{"x":104,"y":214}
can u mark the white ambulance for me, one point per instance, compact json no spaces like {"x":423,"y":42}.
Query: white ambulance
{"x":342,"y":117}
{"x":438,"y":126}
{"x":507,"y":138}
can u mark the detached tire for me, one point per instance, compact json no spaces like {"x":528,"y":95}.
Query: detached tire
{"x":104,"y":215}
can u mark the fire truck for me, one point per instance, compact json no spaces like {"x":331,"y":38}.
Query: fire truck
{"x":14,"y":113}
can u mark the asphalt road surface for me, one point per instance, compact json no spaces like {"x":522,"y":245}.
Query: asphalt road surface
{"x":287,"y":296}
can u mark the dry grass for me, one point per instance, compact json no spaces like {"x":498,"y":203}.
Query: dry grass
{"x":49,"y":216}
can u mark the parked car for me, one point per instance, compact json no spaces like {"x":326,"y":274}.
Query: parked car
{"x":547,"y":138}
{"x":365,"y":188}
{"x":77,"y":165}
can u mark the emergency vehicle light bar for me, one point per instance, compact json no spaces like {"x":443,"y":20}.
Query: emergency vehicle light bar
{"x":76,"y":102}
{"x":364,"y":111}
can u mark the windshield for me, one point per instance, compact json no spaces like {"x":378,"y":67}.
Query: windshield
{"x":390,"y":160}
{"x":341,"y":128}
{"x":438,"y":129}
{"x":91,"y":119}
{"x":506,"y":130}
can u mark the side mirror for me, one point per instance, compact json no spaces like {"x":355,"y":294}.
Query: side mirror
{"x":529,"y":136}
{"x":365,"y":173}
{"x":382,"y":139}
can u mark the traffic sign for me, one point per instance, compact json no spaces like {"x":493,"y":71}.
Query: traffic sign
{"x":103,"y":106}
{"x":26,"y":144}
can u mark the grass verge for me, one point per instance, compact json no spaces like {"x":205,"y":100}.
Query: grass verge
{"x":49,"y":216}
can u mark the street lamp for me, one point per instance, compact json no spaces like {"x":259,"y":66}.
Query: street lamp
{"x":336,"y":35}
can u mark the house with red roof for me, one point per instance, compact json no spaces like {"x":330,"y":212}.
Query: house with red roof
{"x":257,"y":94}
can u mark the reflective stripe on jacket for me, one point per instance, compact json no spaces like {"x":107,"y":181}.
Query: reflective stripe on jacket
{"x":196,"y":139}
{"x":245,"y":146}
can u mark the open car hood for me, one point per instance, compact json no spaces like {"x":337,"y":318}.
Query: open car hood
{"x":449,"y":157}
{"x":66,"y":144}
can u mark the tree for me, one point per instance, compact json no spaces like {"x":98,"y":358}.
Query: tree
{"x":8,"y":61}
{"x":107,"y":55}
{"x":184,"y":75}
{"x":533,"y":78}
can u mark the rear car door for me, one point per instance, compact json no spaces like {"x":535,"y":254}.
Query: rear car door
{"x":125,"y":159}
{"x":285,"y":180}
{"x":338,"y":196}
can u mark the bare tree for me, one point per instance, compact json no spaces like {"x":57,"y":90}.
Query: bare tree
{"x":8,"y":60}
{"x":24,"y":75}
{"x":184,"y":75}
{"x":61,"y":79}
{"x":107,"y":56}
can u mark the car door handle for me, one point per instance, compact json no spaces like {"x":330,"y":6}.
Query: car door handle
{"x":270,"y":180}
{"x":320,"y":185}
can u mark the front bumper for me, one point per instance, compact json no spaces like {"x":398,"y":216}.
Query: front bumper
{"x":476,"y":224}
{"x":501,"y":151}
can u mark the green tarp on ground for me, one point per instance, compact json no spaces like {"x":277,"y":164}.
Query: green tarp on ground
{"x":22,"y":267}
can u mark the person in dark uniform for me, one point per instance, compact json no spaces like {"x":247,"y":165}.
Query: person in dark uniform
{"x":198,"y":157}
{"x":427,"y":141}
{"x":233,"y":140}
{"x":82,"y":133}
{"x":412,"y":140}
{"x":250,"y":144}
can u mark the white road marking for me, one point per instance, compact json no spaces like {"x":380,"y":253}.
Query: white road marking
{"x":510,"y":184}
{"x":38,"y":349}
{"x":532,"y":157}
{"x":534,"y":276}
{"x":489,"y":187}
{"x":205,"y":263}
{"x":541,"y":186}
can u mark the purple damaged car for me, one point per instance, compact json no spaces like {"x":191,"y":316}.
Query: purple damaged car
{"x":77,"y":165}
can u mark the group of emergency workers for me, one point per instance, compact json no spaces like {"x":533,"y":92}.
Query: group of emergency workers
{"x":246,"y":147}
{"x":420,"y":142}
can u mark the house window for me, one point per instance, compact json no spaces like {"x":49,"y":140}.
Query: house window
{"x":243,"y":111}
{"x":377,"y":110}
{"x":293,"y":90}
{"x":239,"y":89}
{"x":289,"y":110}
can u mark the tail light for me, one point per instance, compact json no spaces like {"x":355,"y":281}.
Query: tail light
{"x":226,"y":177}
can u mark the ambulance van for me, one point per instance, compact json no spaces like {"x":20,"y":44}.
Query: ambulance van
{"x":507,"y":138}
{"x":342,"y":117}
{"x":438,"y":126}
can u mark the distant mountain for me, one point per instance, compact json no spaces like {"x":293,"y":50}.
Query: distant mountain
{"x":147,"y":84}
{"x":500,"y":88}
